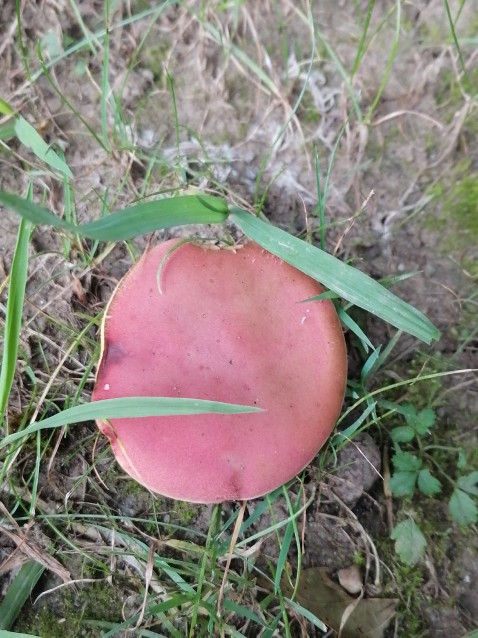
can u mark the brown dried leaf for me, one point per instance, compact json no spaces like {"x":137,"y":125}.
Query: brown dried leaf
{"x":12,"y":562}
{"x":29,"y":548}
{"x":79,"y":291}
{"x":328,"y":601}
{"x":32,"y":551}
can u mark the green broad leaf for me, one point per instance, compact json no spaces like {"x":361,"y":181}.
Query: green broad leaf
{"x":427,"y":483}
{"x":424,"y":420}
{"x":469,"y":483}
{"x":402,"y":434}
{"x":350,"y":283}
{"x":462,"y":508}
{"x":403,"y":483}
{"x":130,"y":222}
{"x":18,"y":592}
{"x":410,"y":544}
{"x":405,"y":462}
{"x":30,"y":138}
{"x":128,"y":407}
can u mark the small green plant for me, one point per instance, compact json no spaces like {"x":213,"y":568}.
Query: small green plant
{"x":415,"y":468}
{"x":410,"y":470}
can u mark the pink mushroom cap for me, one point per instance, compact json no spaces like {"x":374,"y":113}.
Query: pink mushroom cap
{"x":224,"y":326}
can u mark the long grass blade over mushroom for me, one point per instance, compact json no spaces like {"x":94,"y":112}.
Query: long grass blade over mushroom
{"x":126,"y":407}
{"x":348,"y":282}
{"x":130,"y":222}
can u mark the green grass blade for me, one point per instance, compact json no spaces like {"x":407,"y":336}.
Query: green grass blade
{"x":453,"y":35}
{"x":244,"y":611}
{"x":276,"y":526}
{"x":291,"y":116}
{"x":98,"y":36}
{"x":344,"y":436}
{"x":246,"y":60}
{"x":5,"y":108}
{"x":302,"y":611}
{"x":29,"y":137}
{"x":348,"y":282}
{"x":68,"y":104}
{"x":22,"y":46}
{"x":361,"y":45}
{"x":133,"y":221}
{"x":156,"y":610}
{"x":84,"y":29}
{"x":7,"y":131}
{"x":353,"y":326}
{"x":170,"y":80}
{"x":18,"y":593}
{"x":13,"y":634}
{"x":390,"y":61}
{"x":105,"y":87}
{"x":206,"y":560}
{"x":128,"y":407}
{"x":345,"y":76}
{"x":322,"y":195}
{"x":13,"y":320}
{"x":283,"y":554}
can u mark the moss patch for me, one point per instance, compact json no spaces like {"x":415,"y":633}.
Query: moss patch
{"x":460,"y":201}
{"x":67,"y":612}
{"x":455,"y":214}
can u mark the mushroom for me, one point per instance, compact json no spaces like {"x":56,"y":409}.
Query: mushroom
{"x":225,"y":326}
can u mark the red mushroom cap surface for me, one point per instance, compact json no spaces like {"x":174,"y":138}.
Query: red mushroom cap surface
{"x":227,"y":326}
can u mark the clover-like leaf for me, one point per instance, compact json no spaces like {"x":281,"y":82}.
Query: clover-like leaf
{"x":402,"y":434}
{"x":462,"y":508}
{"x":403,"y":483}
{"x":408,"y":411}
{"x":423,"y":421}
{"x":406,"y":462}
{"x":427,"y":483}
{"x":410,"y":543}
{"x":469,"y":483}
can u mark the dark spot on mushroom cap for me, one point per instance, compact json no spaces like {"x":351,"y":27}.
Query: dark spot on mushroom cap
{"x":236,"y":486}
{"x":113,"y":354}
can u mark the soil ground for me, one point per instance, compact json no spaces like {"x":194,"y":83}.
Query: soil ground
{"x":248,"y":116}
